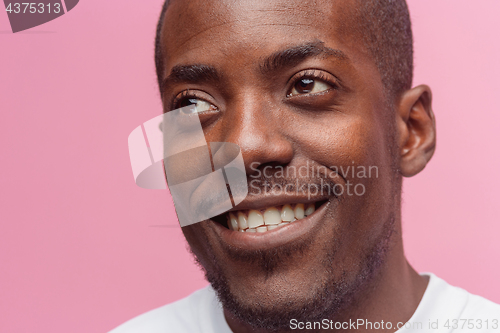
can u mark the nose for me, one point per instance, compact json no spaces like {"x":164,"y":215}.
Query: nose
{"x":257,"y":127}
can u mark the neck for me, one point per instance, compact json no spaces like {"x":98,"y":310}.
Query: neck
{"x":392,"y":296}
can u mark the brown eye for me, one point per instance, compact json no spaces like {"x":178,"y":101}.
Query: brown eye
{"x":304,"y":86}
{"x":308,"y":86}
{"x":201,"y":105}
{"x":187,"y":102}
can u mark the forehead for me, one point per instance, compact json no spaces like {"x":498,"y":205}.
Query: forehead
{"x":196,"y":28}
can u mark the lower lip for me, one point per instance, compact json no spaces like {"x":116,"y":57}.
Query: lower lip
{"x":273,"y":238}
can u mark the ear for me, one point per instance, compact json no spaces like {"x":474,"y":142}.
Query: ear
{"x":417,"y":130}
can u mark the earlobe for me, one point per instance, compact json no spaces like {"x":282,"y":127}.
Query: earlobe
{"x":417,"y":130}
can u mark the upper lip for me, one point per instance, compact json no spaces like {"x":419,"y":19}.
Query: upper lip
{"x":263,"y":201}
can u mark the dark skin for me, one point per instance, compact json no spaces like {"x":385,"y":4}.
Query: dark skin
{"x":343,"y":118}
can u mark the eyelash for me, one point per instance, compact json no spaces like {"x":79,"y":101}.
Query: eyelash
{"x":312,"y":74}
{"x":307,"y":74}
{"x":183,"y":95}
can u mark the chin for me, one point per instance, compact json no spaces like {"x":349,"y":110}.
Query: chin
{"x":311,"y":268}
{"x":309,"y":290}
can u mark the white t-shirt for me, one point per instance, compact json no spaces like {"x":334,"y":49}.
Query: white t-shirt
{"x":443,"y":308}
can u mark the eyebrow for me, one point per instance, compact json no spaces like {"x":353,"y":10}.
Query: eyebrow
{"x":287,"y":58}
{"x":293,"y":56}
{"x":192,"y":74}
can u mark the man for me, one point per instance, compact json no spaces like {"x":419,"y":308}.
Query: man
{"x":323,"y":86}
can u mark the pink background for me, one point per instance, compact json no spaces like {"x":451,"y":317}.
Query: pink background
{"x":78,"y":248}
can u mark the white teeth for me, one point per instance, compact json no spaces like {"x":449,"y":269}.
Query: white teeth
{"x":310,"y":209}
{"x":233,"y":221}
{"x":299,"y":211}
{"x":287,"y":213}
{"x":272,"y":216}
{"x":242,"y":221}
{"x":271,"y":219}
{"x":255,"y":219}
{"x":261,"y":229}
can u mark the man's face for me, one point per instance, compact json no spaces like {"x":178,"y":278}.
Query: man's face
{"x":292,"y":84}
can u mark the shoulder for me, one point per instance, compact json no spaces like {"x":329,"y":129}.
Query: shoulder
{"x":198,"y":312}
{"x":445,"y":307}
{"x":481,"y":308}
{"x":464,"y":303}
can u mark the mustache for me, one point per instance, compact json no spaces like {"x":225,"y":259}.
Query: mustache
{"x":279,"y":186}
{"x":292,"y":186}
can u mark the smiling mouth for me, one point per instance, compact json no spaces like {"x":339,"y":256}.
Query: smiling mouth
{"x":266,"y":219}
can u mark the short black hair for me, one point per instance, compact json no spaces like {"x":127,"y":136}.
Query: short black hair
{"x":386,"y":29}
{"x":158,"y":53}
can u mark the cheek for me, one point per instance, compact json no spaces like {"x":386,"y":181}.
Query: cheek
{"x":196,"y":236}
{"x":357,"y":148}
{"x":344,"y":141}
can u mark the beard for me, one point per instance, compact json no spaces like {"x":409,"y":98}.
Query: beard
{"x":331,"y":298}
{"x":338,"y":293}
